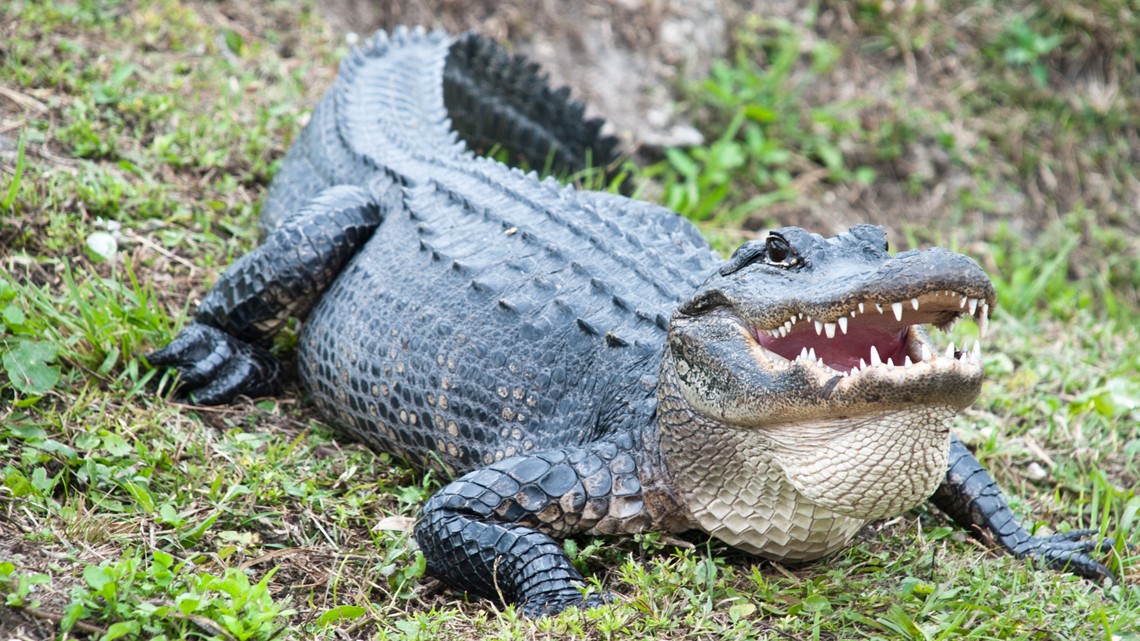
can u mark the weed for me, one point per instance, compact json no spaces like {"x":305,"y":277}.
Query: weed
{"x":18,"y":174}
{"x":765,"y":135}
{"x":1022,"y":46}
{"x":157,"y":598}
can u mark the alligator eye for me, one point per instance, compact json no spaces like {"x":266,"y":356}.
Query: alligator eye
{"x":780,"y":253}
{"x":777,"y":249}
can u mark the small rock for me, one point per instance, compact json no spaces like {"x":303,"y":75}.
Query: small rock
{"x":101,"y":246}
{"x":1035,"y":472}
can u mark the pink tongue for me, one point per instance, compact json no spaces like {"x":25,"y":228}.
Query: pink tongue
{"x":843,"y":352}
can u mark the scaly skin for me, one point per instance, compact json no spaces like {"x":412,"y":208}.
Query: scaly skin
{"x":584,"y":363}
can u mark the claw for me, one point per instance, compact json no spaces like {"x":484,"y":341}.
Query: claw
{"x":247,"y":376}
{"x":1071,"y":551}
{"x":214,"y":367}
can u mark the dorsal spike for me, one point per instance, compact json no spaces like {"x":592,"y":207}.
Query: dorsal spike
{"x":587,"y":327}
{"x":613,"y":340}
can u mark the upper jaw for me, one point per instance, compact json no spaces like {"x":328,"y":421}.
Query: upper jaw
{"x":851,"y":339}
{"x":941,"y":308}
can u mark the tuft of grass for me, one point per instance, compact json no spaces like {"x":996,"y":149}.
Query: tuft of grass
{"x":155,"y":598}
{"x":765,"y":142}
{"x":1041,"y":274}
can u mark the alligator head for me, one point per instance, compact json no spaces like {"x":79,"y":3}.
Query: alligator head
{"x":811,"y":354}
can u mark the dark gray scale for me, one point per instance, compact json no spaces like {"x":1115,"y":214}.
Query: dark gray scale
{"x":513,"y":348}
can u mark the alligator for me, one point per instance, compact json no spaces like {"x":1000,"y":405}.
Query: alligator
{"x":583,"y":363}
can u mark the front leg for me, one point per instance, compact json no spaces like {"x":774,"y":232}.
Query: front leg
{"x":971,"y":497}
{"x":490,"y":533}
{"x":224,"y":352}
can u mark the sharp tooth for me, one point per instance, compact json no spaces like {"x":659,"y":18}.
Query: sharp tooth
{"x":818,"y":328}
{"x":800,"y":315}
{"x":811,"y":354}
{"x":974,"y":305}
{"x":862,"y":364}
{"x":875,"y":360}
{"x":977,"y":350}
{"x":983,"y":325}
{"x":853,"y":313}
{"x":879,"y":308}
{"x":782,"y":331}
{"x":829,"y":329}
{"x":926,"y":355}
{"x":791,"y":321}
{"x":962,"y":301}
{"x":803,"y":354}
{"x":950,"y":350}
{"x":897,"y":309}
{"x":907,"y":362}
{"x":787,"y":326}
{"x":860,"y":308}
{"x":914,"y":303}
{"x":842,"y":324}
{"x":890,"y":362}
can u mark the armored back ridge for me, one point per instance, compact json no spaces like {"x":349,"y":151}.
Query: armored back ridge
{"x":580,"y":361}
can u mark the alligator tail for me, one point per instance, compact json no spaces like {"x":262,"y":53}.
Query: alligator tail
{"x":409,"y":102}
{"x":496,"y":100}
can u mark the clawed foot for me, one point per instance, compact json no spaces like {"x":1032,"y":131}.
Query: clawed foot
{"x":554,"y":603}
{"x":1070,"y":551}
{"x":214,"y":367}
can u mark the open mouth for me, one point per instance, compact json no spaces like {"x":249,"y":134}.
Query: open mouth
{"x":875,"y":334}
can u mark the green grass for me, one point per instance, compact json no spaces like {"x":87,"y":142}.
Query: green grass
{"x":136,"y":140}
